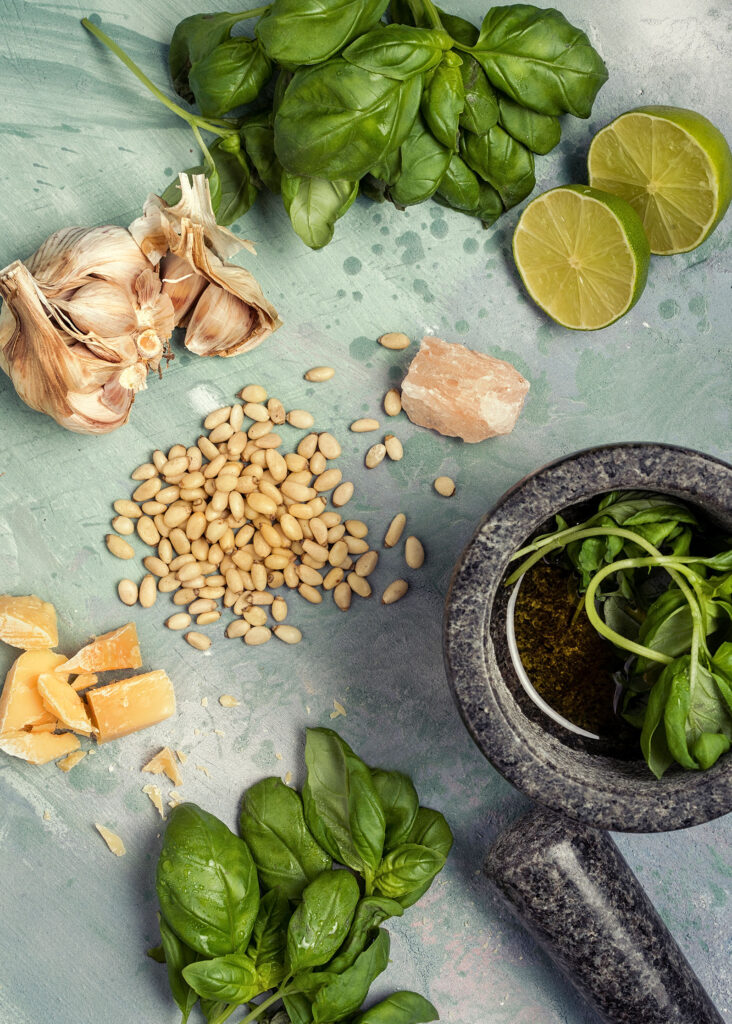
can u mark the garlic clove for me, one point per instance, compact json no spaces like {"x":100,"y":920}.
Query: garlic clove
{"x":68,"y":258}
{"x":221,"y":324}
{"x":100,"y":307}
{"x":181,"y":283}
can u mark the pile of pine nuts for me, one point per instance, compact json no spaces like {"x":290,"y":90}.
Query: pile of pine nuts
{"x":233,"y":521}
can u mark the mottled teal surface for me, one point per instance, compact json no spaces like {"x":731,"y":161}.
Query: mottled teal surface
{"x":83,"y":144}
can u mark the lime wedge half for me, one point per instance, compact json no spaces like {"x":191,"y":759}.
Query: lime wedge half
{"x":583,"y":256}
{"x":674,"y":168}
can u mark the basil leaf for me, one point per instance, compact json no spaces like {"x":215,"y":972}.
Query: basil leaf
{"x":400,"y":804}
{"x":431,"y":830}
{"x":309,"y":983}
{"x":273,"y":826}
{"x":709,"y":747}
{"x":459,"y":187}
{"x":309,"y":31}
{"x":156,"y":953}
{"x":233,"y":73}
{"x":212,"y":1009}
{"x":398,"y":51}
{"x":336,"y":120}
{"x":414,"y":12}
{"x":268,"y":940}
{"x":315,"y":204}
{"x":538,"y":59}
{"x":298,"y":1008}
{"x":206,"y":882}
{"x":502,"y":162}
{"x":480,"y":109}
{"x":389,"y":168}
{"x":443,"y":100}
{"x":321,"y":922}
{"x":257,"y":134}
{"x":370,"y":913}
{"x":228,"y":979}
{"x":653,"y":734}
{"x":177,"y":956}
{"x":399,"y":1008}
{"x":406,"y":868}
{"x":345,"y":994}
{"x":342,"y":807}
{"x":424,"y":162}
{"x":193,"y":39}
{"x":236,"y":192}
{"x":538,"y":132}
{"x":462,"y":31}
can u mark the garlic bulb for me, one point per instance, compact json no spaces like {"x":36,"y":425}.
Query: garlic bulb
{"x":81,"y":323}
{"x":222,"y":304}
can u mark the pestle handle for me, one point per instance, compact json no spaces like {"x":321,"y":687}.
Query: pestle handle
{"x":573,"y":890}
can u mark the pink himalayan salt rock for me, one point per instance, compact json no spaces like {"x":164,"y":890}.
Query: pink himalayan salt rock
{"x":461,"y":393}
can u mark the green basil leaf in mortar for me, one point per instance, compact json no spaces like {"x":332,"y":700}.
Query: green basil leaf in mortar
{"x":694,"y":708}
{"x":206,"y":882}
{"x":228,"y":979}
{"x":310,"y":31}
{"x":315,"y":204}
{"x":342,"y":807}
{"x":502,"y":162}
{"x":193,"y":39}
{"x":177,"y":956}
{"x":299,"y":1008}
{"x":267,"y":945}
{"x":273,"y":825}
{"x":231,"y":74}
{"x":538,"y":132}
{"x":424,"y":162}
{"x":709,"y":747}
{"x":443,"y":100}
{"x":399,"y":1008}
{"x":407,"y":868}
{"x":398,"y":51}
{"x":400,"y":803}
{"x":347,"y":991}
{"x":257,"y":134}
{"x":480,"y":107}
{"x":538,"y":59}
{"x":336,"y":120}
{"x":653,"y":735}
{"x":370,"y":913}
{"x":459,"y":187}
{"x":236,"y":191}
{"x":321,"y":922}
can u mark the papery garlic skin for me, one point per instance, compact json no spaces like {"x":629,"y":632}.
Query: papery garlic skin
{"x":191,"y":246}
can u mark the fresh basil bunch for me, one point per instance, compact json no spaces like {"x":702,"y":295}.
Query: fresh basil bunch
{"x":329,"y":99}
{"x":270,"y":918}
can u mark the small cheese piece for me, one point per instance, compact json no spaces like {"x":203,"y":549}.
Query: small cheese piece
{"x":64,"y":702}
{"x":112,"y":840}
{"x":71,"y":761}
{"x":182,"y":756}
{"x":38,"y":747}
{"x":20,"y":702}
{"x":164,"y":764}
{"x":50,"y":726}
{"x":84,"y":680}
{"x":227,"y":701}
{"x":131,"y":704}
{"x":27,"y":622}
{"x":156,"y":798}
{"x":117,"y":649}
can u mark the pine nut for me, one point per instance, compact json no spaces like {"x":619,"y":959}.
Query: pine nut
{"x":236,"y":418}
{"x":165,"y":551}
{"x":237,"y":442}
{"x":218,"y":416}
{"x":203,"y":604}
{"x":279,"y":609}
{"x":315,"y":550}
{"x":195,"y":526}
{"x":257,"y":635}
{"x":259,"y":577}
{"x":159,"y":459}
{"x":126,"y":508}
{"x":318,"y":464}
{"x":237,"y":628}
{"x":206,"y":618}
{"x":148,"y":489}
{"x":260,"y":429}
{"x":342,"y":494}
{"x":328,"y":445}
{"x":335,"y":533}
{"x":291,"y":578}
{"x":145,"y":472}
{"x":181,"y":620}
{"x":338,"y":553}
{"x":276,"y":562}
{"x":363,"y":426}
{"x":328,"y":480}
{"x":395,"y":341}
{"x":262,"y":503}
{"x":147,"y":531}
{"x":300,"y":419}
{"x":256,"y":411}
{"x":148,"y":591}
{"x":184,"y":596}
{"x":366,"y":563}
{"x":168,"y":584}
{"x":276,"y":464}
{"x":395,"y":531}
{"x":255,"y":616}
{"x":318,"y":374}
{"x":155,"y":565}
{"x":392,"y":402}
{"x":200,"y":549}
{"x":207,"y":448}
{"x":414,"y":553}
{"x":310,"y":576}
{"x":213,"y":592}
{"x":375,"y":455}
{"x":342,"y":596}
{"x":276,"y":411}
{"x":176,"y":466}
{"x":355,"y":545}
{"x":261,"y":597}
{"x":253,"y":393}
{"x":198,"y":640}
{"x":123,"y":525}
{"x":319,"y":531}
{"x":307,"y":446}
{"x":234,"y":581}
{"x":269,"y":442}
{"x":128,"y":592}
{"x":176,"y":450}
{"x":310,"y":593}
{"x":298,"y":492}
{"x":445,"y":486}
{"x":119,"y":547}
{"x":394,"y":592}
{"x":153,"y":508}
{"x":288,"y":634}
{"x":221,"y":433}
{"x":333,"y":578}
{"x":275,"y":579}
{"x":195,"y":458}
{"x":358,"y":585}
{"x":394,"y":448}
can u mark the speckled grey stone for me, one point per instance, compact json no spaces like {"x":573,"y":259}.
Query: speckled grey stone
{"x":547,"y":762}
{"x":573,"y":890}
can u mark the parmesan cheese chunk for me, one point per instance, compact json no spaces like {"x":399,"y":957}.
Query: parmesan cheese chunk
{"x":112,"y":840}
{"x":71,"y":761}
{"x":64,"y":702}
{"x":164,"y":764}
{"x":84,"y":680}
{"x":27,"y":622}
{"x":38,"y":747}
{"x":131,"y":704}
{"x":117,"y":649}
{"x":156,"y":798}
{"x":20,"y":702}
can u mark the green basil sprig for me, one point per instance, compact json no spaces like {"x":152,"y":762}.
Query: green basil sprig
{"x":295,"y":32}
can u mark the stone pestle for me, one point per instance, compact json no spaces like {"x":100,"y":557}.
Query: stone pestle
{"x":570,"y":886}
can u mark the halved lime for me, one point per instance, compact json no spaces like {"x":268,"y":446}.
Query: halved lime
{"x":583,"y":256}
{"x":673,"y":167}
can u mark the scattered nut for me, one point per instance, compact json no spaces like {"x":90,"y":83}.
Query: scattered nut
{"x":445,"y":486}
{"x":395,"y":341}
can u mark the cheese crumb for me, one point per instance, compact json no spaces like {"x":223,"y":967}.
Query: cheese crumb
{"x":204,"y":702}
{"x":204,"y":769}
{"x":113,"y":841}
{"x":46,"y":815}
{"x":288,"y":778}
{"x":227,"y":701}
{"x":164,"y":764}
{"x":156,"y":798}
{"x":175,"y":798}
{"x":278,"y":756}
{"x":219,"y":732}
{"x":338,"y":709}
{"x":182,"y":756}
{"x":71,"y":761}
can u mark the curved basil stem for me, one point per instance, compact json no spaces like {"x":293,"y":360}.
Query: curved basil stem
{"x":208,"y":159}
{"x":260,"y":1007}
{"x":216,"y":126}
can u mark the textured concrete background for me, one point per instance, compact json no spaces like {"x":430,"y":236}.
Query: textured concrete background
{"x":82,"y":143}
